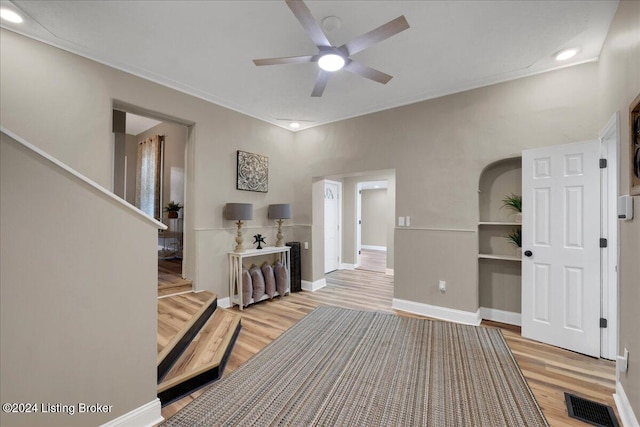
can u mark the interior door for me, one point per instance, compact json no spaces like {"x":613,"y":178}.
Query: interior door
{"x":561,"y":245}
{"x":331,"y":226}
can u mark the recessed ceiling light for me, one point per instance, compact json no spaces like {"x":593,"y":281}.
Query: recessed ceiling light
{"x":331,"y":62}
{"x":565,"y":54}
{"x":10,"y":15}
{"x":294,"y":125}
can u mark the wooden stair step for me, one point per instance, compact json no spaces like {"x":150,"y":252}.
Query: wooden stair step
{"x":204,"y":359}
{"x":178,"y":319}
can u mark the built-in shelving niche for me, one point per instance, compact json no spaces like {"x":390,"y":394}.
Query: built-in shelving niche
{"x":500,"y":269}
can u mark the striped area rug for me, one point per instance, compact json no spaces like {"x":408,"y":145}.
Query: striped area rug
{"x":339,"y":367}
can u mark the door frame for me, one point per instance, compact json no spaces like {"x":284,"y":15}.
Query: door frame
{"x":339,"y":239}
{"x":610,"y":146}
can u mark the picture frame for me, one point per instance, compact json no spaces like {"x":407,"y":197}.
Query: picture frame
{"x":634,"y":147}
{"x":252,"y":172}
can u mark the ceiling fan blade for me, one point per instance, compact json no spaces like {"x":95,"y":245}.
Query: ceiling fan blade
{"x":368,"y":72}
{"x":381,"y":33}
{"x":308,"y":22}
{"x":286,"y":60}
{"x":321,"y":83}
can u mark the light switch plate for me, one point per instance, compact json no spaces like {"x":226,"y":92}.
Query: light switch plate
{"x":401,"y":221}
{"x":407,"y":222}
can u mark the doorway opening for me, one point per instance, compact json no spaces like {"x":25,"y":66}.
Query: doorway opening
{"x":149,"y":172}
{"x":372,"y":219}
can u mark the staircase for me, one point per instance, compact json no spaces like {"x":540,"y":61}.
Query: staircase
{"x":195,"y":338}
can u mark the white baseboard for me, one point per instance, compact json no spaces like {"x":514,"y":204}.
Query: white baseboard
{"x":625,"y":410}
{"x":344,"y":266}
{"x":374,"y":248}
{"x":147,"y":415}
{"x":508,"y":317}
{"x":314,"y":286}
{"x":388,"y":271}
{"x":224,"y":302}
{"x":444,"y":313}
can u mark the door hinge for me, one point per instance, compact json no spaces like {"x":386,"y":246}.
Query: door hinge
{"x":603,"y":322}
{"x":603,"y":163}
{"x":359,"y":252}
{"x":603,"y":243}
{"x":359,"y":221}
{"x":359,"y":191}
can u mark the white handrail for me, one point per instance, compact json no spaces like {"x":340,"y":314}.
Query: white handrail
{"x":83,"y":178}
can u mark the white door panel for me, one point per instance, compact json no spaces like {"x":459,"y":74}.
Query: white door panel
{"x":561,"y":232}
{"x":331,"y":226}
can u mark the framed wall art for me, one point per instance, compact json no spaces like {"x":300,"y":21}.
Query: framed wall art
{"x":634,"y":149}
{"x":253,"y":172}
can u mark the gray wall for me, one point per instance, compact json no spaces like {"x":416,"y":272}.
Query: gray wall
{"x":375,"y":212}
{"x":619,"y":84}
{"x":438,"y":149}
{"x":78,"y":315}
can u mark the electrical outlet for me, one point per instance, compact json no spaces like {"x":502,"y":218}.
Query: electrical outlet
{"x":623,"y":362}
{"x":306,"y":245}
{"x":442,"y":285}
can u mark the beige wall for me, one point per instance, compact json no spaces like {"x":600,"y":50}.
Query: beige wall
{"x":619,"y":84}
{"x":71,"y":98}
{"x":438,"y":149}
{"x":78,"y":315}
{"x":375,"y":212}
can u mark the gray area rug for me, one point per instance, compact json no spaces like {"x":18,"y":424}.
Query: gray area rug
{"x":339,"y":367}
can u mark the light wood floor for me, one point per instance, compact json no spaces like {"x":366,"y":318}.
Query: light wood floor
{"x":373,"y":260}
{"x":549,"y":370}
{"x":170,"y":281}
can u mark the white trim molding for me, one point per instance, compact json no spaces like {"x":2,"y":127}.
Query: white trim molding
{"x":625,"y":410}
{"x":147,"y":415}
{"x":374,"y":248}
{"x":224,"y":302}
{"x":508,"y":317}
{"x":314,"y":286}
{"x":344,"y":266}
{"x":437,"y":312}
{"x":389,"y":271}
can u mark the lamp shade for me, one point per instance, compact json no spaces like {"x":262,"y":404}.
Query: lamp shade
{"x":281,"y":211}
{"x":238,"y":211}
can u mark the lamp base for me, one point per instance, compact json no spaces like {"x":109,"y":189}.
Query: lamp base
{"x":239,"y":238}
{"x":280,"y":241}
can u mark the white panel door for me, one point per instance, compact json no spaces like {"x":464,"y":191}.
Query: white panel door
{"x":561,"y":246}
{"x":331,"y":226}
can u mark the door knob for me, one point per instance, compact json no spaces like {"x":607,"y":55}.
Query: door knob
{"x":528,"y":253}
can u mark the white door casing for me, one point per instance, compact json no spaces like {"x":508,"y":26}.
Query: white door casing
{"x":331,"y":226}
{"x":561,"y":233}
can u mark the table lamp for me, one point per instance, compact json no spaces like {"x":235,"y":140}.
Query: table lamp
{"x":280,"y":212}
{"x":238,"y":212}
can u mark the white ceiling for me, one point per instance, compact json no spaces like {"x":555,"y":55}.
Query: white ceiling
{"x":135,"y":125}
{"x":206,"y":48}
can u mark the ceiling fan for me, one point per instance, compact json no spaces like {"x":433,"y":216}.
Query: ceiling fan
{"x":331,"y":58}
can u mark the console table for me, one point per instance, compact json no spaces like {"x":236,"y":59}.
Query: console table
{"x":235,"y":270}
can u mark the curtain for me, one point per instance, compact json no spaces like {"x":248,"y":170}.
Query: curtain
{"x":149,"y":176}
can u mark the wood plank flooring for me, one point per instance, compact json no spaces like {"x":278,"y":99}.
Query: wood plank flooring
{"x":175,"y":312}
{"x":170,"y":281}
{"x":373,"y":260}
{"x":549,"y":370}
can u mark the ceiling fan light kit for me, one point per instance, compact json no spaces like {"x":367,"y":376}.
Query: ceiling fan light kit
{"x":331,"y":58}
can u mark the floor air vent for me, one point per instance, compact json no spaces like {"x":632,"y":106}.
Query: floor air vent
{"x":590,"y":412}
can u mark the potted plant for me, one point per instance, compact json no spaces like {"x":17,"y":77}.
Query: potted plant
{"x":514,"y":202}
{"x":173,"y":208}
{"x":515,"y":237}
